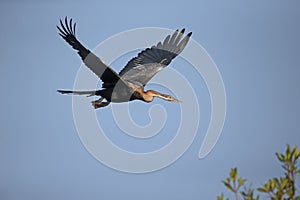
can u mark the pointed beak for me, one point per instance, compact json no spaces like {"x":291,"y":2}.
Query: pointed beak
{"x":176,"y":100}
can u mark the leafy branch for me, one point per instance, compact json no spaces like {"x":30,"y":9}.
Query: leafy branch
{"x":278,"y":188}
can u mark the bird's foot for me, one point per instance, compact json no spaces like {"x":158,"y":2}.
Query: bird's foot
{"x":98,"y":101}
{"x":100,"y":105}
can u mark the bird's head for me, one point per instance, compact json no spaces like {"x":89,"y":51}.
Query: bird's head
{"x":170,"y":98}
{"x":150,"y":94}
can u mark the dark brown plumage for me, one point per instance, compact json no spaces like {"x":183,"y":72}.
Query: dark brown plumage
{"x":129,"y":84}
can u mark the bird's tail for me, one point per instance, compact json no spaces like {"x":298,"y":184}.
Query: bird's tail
{"x":88,"y":93}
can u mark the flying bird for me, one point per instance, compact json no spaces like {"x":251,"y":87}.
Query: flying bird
{"x":129,"y":84}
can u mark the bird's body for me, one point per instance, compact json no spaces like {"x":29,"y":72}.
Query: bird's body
{"x":129,"y":84}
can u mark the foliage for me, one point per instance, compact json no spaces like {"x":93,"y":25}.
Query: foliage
{"x":278,"y":188}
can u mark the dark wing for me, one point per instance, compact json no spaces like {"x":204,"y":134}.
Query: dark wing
{"x":104,"y":72}
{"x":142,"y":68}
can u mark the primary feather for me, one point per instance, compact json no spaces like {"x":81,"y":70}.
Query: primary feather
{"x":141,"y":69}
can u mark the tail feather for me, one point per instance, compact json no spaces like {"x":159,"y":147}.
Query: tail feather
{"x":89,"y":93}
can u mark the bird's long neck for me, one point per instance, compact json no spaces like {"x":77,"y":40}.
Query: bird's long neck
{"x":150,"y":94}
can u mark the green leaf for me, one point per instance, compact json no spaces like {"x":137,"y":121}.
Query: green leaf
{"x":290,"y":193}
{"x":288,"y":154}
{"x":244,"y":193}
{"x":294,"y":150}
{"x":280,"y":157}
{"x":263,"y":189}
{"x":297,"y":154}
{"x":288,"y":150}
{"x":241,"y":182}
{"x":272,"y":184}
{"x":228,"y":186}
{"x":283,"y":183}
{"x":220,"y":197}
{"x":228,"y":180}
{"x":233,"y":174}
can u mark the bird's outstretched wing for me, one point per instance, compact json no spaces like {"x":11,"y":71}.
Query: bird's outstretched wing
{"x":104,"y":72}
{"x":142,"y":68}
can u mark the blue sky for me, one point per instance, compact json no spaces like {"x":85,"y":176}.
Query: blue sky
{"x":254,"y":44}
